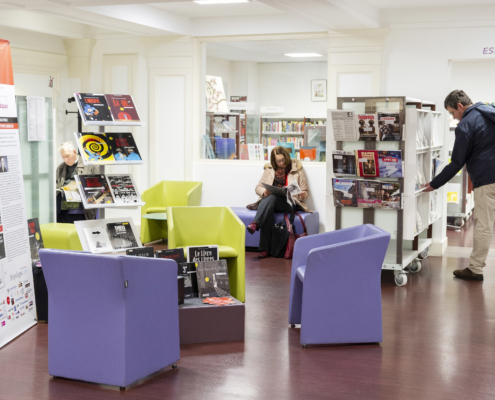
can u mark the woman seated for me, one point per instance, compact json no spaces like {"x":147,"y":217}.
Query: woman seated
{"x":281,"y":172}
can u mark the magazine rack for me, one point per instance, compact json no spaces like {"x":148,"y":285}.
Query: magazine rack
{"x":408,"y":244}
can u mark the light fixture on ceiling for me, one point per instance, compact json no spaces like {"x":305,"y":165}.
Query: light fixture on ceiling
{"x":299,"y":55}
{"x":220,"y":1}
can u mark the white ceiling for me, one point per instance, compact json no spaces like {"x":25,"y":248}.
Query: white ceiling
{"x":269,"y":50}
{"x":383,"y":4}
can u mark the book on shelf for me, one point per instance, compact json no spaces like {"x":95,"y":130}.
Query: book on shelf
{"x":438,"y":166}
{"x":433,"y":206}
{"x":213,"y":279}
{"x":188,"y":271}
{"x":322,"y":151}
{"x":123,"y":108}
{"x":389,"y":125}
{"x":344,"y":163}
{"x":35,"y":241}
{"x":173,"y":254}
{"x":108,"y":190}
{"x":140,"y":252}
{"x":391,"y":197}
{"x":108,"y":148}
{"x":367,"y":127}
{"x":367,"y":163}
{"x":244,"y":152}
{"x":255,"y":152}
{"x":307,"y":153}
{"x":291,"y":148}
{"x":344,"y":192}
{"x":369,"y":194}
{"x":282,"y":127}
{"x":202,"y":253}
{"x":390,"y":163}
{"x":208,"y":152}
{"x":121,"y":235}
{"x":93,"y":108}
{"x":268,"y":152}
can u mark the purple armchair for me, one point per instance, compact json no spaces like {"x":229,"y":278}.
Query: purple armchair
{"x":113,"y":319}
{"x":335,"y":291}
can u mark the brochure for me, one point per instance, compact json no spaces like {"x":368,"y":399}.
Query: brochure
{"x":343,"y":125}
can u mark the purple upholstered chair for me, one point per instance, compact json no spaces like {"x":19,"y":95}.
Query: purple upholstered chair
{"x":113,"y":319}
{"x":335,"y":290}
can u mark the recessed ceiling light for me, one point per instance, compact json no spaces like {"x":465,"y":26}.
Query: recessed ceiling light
{"x":303,"y":55}
{"x":220,"y":1}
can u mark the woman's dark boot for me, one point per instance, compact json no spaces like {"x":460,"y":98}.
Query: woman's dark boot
{"x":253,"y":227}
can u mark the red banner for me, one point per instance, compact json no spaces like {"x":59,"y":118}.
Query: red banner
{"x":6,"y":71}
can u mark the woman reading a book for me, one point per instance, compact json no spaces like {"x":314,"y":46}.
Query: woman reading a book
{"x":280,"y":172}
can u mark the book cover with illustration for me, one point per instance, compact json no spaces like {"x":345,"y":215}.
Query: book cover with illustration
{"x":389,"y":125}
{"x":344,"y":163}
{"x":95,"y":147}
{"x":291,"y":148}
{"x":124,"y":147}
{"x":367,"y":127}
{"x":35,"y":241}
{"x":367,"y":163}
{"x":390,"y":164}
{"x":344,"y":192}
{"x":391,"y":198}
{"x":202,"y":253}
{"x":213,"y":279}
{"x":123,"y":108}
{"x":188,"y":271}
{"x":369,"y":194}
{"x":121,"y":235}
{"x":123,"y":189}
{"x":93,"y":107}
{"x":244,"y":152}
{"x":172,"y":254}
{"x":141,"y":252}
{"x":98,"y":239}
{"x":94,"y":189}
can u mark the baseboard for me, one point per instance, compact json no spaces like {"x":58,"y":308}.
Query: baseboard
{"x":438,"y":247}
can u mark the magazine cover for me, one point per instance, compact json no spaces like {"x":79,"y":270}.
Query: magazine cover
{"x":188,"y":272}
{"x":390,"y":164}
{"x":173,"y":254}
{"x":391,"y":195}
{"x":94,"y":189}
{"x":93,"y":107}
{"x":141,"y":252}
{"x":35,"y":241}
{"x":344,"y":192}
{"x":121,"y":235}
{"x":95,"y":147}
{"x":390,"y":129}
{"x":124,"y":147}
{"x":123,"y":189}
{"x":367,"y":127}
{"x":367,"y":163}
{"x":369,"y":194}
{"x":213,"y":279}
{"x":98,"y":239}
{"x":344,"y":163}
{"x":122,"y":108}
{"x":202,"y":253}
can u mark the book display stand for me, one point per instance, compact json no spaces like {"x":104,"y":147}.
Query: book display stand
{"x":418,"y":221}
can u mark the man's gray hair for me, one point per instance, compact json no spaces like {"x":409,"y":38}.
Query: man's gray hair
{"x":455,"y":97}
{"x":67,"y":146}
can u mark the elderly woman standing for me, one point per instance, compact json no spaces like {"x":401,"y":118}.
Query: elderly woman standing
{"x":281,"y":172}
{"x":72,"y":165}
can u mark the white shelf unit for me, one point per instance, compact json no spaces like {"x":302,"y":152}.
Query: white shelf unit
{"x":409,"y":242}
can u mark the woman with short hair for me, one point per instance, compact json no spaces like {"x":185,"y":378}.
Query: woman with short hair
{"x":280,"y":172}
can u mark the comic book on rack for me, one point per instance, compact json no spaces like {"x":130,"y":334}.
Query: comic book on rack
{"x":122,"y":107}
{"x":391,"y":197}
{"x":367,"y":163}
{"x":124,"y":147}
{"x":121,"y":235}
{"x":390,"y":163}
{"x":344,"y":192}
{"x":123,"y":189}
{"x":35,"y":241}
{"x":93,"y":107}
{"x":94,"y":190}
{"x":389,"y":125}
{"x":369,"y":194}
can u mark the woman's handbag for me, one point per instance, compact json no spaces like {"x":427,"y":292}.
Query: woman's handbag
{"x":289,"y":250}
{"x":280,"y":237}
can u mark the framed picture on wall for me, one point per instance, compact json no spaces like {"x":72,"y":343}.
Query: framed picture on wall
{"x":319,"y":90}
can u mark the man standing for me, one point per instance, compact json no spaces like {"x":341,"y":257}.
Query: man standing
{"x":475,"y":146}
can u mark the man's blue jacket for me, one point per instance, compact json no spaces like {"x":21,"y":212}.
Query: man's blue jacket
{"x":475,"y":146}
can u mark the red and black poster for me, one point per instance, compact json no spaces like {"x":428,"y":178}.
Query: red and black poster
{"x":123,"y":108}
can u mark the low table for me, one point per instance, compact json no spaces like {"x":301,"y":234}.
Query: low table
{"x":156,"y":216}
{"x":204,"y":323}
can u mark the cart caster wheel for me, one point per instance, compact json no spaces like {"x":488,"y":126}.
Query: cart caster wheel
{"x":122,"y":388}
{"x":174,"y":366}
{"x":424,"y":254}
{"x":401,"y":279}
{"x":415,"y":267}
{"x":292,"y":326}
{"x":305,"y":346}
{"x":459,"y":222}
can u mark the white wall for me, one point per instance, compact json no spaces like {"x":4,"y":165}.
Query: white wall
{"x":476,"y":78}
{"x":222,"y":68}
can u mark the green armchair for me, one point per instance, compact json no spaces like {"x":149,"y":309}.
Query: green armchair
{"x":161,"y":196}
{"x":199,"y":226}
{"x":60,"y":236}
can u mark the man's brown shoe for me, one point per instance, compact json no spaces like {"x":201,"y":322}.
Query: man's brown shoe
{"x":466,"y":273}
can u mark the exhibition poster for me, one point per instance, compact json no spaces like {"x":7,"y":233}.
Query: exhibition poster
{"x":17,"y":308}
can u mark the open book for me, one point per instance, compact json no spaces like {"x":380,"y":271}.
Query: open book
{"x":289,"y":192}
{"x":71,"y":193}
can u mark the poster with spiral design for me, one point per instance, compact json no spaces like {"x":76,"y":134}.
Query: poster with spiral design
{"x":95,"y":147}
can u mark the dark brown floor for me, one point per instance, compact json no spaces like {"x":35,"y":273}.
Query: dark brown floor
{"x":439,"y":343}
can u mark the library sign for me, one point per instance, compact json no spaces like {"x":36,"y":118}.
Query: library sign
{"x":489,"y":50}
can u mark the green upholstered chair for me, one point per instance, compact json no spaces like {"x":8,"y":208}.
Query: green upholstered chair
{"x":60,"y":236}
{"x":162,"y":195}
{"x":199,"y":226}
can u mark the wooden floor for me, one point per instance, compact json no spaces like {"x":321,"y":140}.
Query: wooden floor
{"x":439,"y":343}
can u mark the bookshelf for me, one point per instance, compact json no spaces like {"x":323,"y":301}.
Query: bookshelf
{"x":215,"y":127}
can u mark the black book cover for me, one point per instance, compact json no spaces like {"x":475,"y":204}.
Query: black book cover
{"x":35,"y":241}
{"x":95,"y":189}
{"x":173,"y":254}
{"x":124,"y":147}
{"x":188,"y":271}
{"x":2,"y":246}
{"x":94,"y":107}
{"x":123,"y":189}
{"x":213,"y":279}
{"x":121,"y":235}
{"x":202,"y":253}
{"x":140,"y":252}
{"x":180,"y":289}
